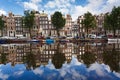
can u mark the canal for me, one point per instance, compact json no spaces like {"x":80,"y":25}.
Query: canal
{"x":60,"y":61}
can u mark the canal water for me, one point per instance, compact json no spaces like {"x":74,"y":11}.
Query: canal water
{"x":60,"y":61}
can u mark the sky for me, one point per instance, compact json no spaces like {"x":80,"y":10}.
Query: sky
{"x":73,"y":7}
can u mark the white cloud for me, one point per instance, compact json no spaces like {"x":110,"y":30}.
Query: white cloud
{"x":98,"y":68}
{"x":50,"y":65}
{"x":2,"y":12}
{"x":36,"y":1}
{"x":32,"y":4}
{"x":117,"y":74}
{"x":95,"y":7}
{"x":18,"y":73}
{"x":50,"y":4}
{"x":76,"y":75}
{"x":4,"y":76}
{"x":62,"y":72}
{"x":69,"y":6}
{"x":74,"y":61}
{"x":38,"y":71}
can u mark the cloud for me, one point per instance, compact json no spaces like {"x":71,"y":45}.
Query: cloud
{"x":70,"y":6}
{"x":74,"y":61}
{"x":62,"y":72}
{"x":76,"y":75}
{"x":98,"y":68}
{"x":117,"y":74}
{"x":35,"y":1}
{"x":50,"y":65}
{"x":4,"y":76}
{"x":38,"y":71}
{"x":50,"y":4}
{"x":32,"y":4}
{"x":95,"y":7}
{"x":18,"y":73}
{"x":2,"y":12}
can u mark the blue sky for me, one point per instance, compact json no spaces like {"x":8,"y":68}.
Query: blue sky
{"x":73,"y":7}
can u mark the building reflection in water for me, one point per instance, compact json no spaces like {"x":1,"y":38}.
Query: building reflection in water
{"x":34,"y":55}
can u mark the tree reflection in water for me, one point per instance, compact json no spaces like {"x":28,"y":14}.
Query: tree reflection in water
{"x":88,"y":58}
{"x":3,"y":58}
{"x":30,"y":61}
{"x":58,"y":58}
{"x":112,"y":58}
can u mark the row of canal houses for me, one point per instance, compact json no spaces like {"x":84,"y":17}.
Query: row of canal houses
{"x":43,"y":26}
{"x":17,"y":53}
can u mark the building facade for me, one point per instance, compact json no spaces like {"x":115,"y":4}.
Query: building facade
{"x":43,"y":26}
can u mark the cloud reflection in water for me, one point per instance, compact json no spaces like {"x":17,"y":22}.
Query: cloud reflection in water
{"x":72,"y":71}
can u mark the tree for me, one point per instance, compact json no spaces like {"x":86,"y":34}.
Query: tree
{"x":58,"y":58}
{"x":112,"y":58}
{"x":58,"y":21}
{"x":112,"y":20}
{"x":2,"y":24}
{"x":3,"y":58}
{"x":29,"y":20}
{"x":89,"y":21}
{"x":88,"y":58}
{"x":106,"y":22}
{"x":30,"y":61}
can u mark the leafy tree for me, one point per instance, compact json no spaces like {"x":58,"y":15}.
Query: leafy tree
{"x":58,"y":21}
{"x":106,"y":22}
{"x":29,"y":20}
{"x":89,"y":21}
{"x":88,"y":58}
{"x":3,"y":58}
{"x":112,"y":58}
{"x":58,"y":58}
{"x":30,"y":61}
{"x":112,"y":20}
{"x":2,"y":24}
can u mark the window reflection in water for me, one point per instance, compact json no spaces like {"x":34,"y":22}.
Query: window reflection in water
{"x":34,"y":55}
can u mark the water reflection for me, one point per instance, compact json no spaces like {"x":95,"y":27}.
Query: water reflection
{"x":112,"y":58}
{"x":88,"y":57}
{"x":58,"y":58}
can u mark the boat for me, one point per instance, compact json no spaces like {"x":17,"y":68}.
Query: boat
{"x":113,"y":39}
{"x":2,"y":41}
{"x":49,"y":40}
{"x":33,"y":40}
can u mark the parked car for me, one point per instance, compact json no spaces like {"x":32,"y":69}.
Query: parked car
{"x":101,"y":37}
{"x":92,"y":36}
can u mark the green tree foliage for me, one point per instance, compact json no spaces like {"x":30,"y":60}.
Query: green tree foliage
{"x":88,"y":58}
{"x":112,"y":20}
{"x":112,"y":58}
{"x":30,"y":61}
{"x":106,"y":22}
{"x":29,"y":20}
{"x":3,"y":58}
{"x":58,"y":21}
{"x":2,"y":24}
{"x":58,"y":58}
{"x":89,"y":21}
